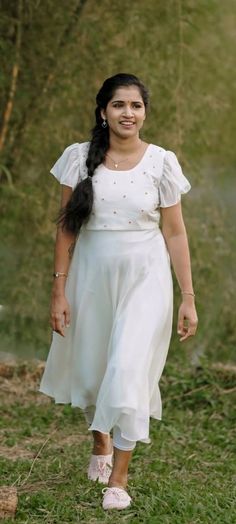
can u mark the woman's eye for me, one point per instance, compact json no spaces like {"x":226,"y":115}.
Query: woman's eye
{"x":135,"y":106}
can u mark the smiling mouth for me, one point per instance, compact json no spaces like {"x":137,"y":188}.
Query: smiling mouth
{"x":127,"y":124}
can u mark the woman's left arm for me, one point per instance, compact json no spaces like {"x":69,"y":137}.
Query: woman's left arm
{"x":175,"y":235}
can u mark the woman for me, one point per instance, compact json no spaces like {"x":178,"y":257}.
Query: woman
{"x":111,"y":310}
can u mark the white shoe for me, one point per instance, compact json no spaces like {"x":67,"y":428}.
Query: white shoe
{"x":100,"y":468}
{"x":115,"y":498}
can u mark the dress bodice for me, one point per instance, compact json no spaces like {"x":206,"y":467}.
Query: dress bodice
{"x":130,"y":199}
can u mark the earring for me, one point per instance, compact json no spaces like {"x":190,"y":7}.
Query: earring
{"x":104,"y":124}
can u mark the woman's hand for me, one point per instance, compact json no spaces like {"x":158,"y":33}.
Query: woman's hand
{"x":187,"y":318}
{"x":60,"y":314}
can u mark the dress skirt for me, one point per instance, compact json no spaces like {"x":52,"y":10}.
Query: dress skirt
{"x":120,"y":292}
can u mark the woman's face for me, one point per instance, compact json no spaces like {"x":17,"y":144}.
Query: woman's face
{"x":125,"y":112}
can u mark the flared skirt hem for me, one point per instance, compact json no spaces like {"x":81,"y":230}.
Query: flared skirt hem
{"x":96,"y":427}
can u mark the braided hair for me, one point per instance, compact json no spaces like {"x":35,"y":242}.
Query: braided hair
{"x":79,"y":206}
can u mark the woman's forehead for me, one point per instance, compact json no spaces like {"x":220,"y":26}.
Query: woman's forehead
{"x":127,"y":93}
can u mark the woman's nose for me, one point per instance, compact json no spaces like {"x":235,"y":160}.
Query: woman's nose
{"x":128,"y":111}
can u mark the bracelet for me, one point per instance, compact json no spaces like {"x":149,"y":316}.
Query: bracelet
{"x":188,"y":293}
{"x":58,"y":274}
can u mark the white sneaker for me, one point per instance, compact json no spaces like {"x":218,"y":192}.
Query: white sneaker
{"x":115,"y":498}
{"x":100,"y":468}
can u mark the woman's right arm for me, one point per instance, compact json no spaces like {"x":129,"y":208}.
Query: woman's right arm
{"x":60,"y":309}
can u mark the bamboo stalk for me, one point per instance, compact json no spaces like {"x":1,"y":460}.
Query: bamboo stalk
{"x":178,"y":89}
{"x":14,"y":76}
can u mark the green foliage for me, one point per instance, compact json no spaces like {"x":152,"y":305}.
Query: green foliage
{"x":63,"y":51}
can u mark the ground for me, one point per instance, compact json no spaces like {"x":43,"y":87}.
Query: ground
{"x":185,"y":476}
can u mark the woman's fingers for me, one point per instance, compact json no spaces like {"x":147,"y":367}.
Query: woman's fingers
{"x":187,"y":321}
{"x":180,"y":326}
{"x":60,"y":321}
{"x":187,"y":334}
{"x":56,"y":323}
{"x":67,"y":317}
{"x":189,"y":330}
{"x":59,"y":324}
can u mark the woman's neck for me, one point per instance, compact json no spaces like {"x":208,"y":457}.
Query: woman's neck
{"x":125,"y":145}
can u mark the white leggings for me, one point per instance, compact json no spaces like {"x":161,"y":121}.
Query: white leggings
{"x":118,"y":441}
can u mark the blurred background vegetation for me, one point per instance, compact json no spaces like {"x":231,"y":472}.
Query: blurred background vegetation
{"x":55,"y":56}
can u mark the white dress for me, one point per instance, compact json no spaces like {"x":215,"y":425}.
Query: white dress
{"x":120,"y":292}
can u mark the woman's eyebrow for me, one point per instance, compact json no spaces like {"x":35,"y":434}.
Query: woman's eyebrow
{"x":134,"y":101}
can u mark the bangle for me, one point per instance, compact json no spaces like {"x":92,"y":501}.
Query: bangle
{"x":58,"y":274}
{"x":188,"y":293}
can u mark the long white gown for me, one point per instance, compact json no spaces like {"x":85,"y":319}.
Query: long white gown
{"x":120,"y":292}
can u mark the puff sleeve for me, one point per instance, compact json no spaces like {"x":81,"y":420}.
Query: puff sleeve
{"x":67,"y":168}
{"x":173,"y":183}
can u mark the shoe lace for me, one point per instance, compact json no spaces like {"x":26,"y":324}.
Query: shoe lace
{"x":118,"y":494}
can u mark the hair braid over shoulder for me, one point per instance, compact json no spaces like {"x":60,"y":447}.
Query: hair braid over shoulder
{"x":99,"y":144}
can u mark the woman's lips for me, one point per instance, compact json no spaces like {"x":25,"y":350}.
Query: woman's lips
{"x":127,"y":124}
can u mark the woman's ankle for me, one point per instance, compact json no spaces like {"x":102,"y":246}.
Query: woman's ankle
{"x":102,"y":444}
{"x":118,"y":481}
{"x":101,"y":450}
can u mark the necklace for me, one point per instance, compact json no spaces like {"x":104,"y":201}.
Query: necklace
{"x":116,"y":164}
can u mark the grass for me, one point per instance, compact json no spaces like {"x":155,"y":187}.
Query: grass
{"x":185,"y":476}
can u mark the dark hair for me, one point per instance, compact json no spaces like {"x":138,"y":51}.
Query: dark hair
{"x":79,"y":206}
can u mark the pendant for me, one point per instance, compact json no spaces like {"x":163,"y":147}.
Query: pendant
{"x":116,"y":165}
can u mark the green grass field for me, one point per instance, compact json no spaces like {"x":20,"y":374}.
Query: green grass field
{"x":185,"y":476}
